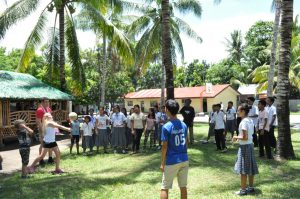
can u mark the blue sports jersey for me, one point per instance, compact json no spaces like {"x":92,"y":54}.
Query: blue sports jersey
{"x":175,"y":133}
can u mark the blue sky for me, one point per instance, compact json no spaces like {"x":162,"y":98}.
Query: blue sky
{"x":216,"y":23}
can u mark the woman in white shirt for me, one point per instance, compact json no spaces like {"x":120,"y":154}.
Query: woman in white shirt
{"x":245,"y":165}
{"x":101,"y":131}
{"x":230,"y":119}
{"x":118,"y":139}
{"x":87,"y":129}
{"x":138,"y":123}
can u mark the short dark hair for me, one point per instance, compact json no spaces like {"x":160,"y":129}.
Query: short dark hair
{"x":172,"y":106}
{"x":88,"y":117}
{"x":218,"y":105}
{"x":118,"y":107}
{"x":272,"y":99}
{"x":252,"y":99}
{"x":17,"y":123}
{"x":245,"y":107}
{"x":137,"y":106}
{"x":230,"y":102}
{"x":262,"y":102}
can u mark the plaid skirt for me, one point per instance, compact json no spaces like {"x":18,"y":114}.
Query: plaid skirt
{"x":230,"y":125}
{"x":102,"y":138}
{"x":118,"y":138}
{"x":246,"y":162}
{"x":87,"y":142}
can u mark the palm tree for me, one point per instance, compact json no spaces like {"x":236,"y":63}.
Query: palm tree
{"x":64,"y":10}
{"x":166,"y":48}
{"x":285,"y":147}
{"x":235,"y":46}
{"x":150,"y":26}
{"x":110,"y":32}
{"x":277,"y":6}
{"x":260,"y":74}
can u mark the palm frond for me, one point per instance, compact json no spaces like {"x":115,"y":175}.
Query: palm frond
{"x":34,"y":40}
{"x":175,"y":34}
{"x":15,"y":13}
{"x":185,"y":28}
{"x":105,"y":26}
{"x":188,"y":6}
{"x":74,"y":51}
{"x":52,"y":52}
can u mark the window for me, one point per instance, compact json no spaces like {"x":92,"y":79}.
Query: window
{"x":129,"y":103}
{"x":153,"y":103}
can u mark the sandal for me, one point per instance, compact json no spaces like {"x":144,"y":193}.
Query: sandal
{"x":58,"y":171}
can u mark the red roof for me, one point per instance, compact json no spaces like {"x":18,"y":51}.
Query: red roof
{"x":180,"y":93}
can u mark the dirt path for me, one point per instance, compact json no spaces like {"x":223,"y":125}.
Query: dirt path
{"x":12,"y":158}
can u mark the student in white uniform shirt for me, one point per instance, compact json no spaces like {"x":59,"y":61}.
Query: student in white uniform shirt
{"x":253,"y":115}
{"x":218,"y":118}
{"x":263,"y":130}
{"x":157,"y":121}
{"x":230,"y":119}
{"x":272,"y":119}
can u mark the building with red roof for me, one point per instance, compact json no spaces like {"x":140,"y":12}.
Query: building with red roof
{"x":203,"y":97}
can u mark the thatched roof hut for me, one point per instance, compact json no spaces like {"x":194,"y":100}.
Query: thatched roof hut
{"x":19,"y":97}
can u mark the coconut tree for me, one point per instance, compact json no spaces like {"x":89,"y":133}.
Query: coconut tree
{"x":234,"y":46}
{"x":285,"y":147}
{"x":110,"y":33}
{"x":276,"y":4}
{"x":150,"y":27}
{"x":166,"y":48}
{"x":63,"y":12}
{"x":260,"y":74}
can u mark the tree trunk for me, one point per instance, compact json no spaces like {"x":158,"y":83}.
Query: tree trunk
{"x":166,"y":48}
{"x":163,"y":85}
{"x":104,"y":72}
{"x":274,"y":49}
{"x":99,"y":71}
{"x":285,"y":147}
{"x":62,"y":47}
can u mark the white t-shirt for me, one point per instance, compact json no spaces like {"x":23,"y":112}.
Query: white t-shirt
{"x":261,"y":120}
{"x":272,"y":111}
{"x":102,"y":121}
{"x":246,"y":124}
{"x":253,"y":111}
{"x":218,"y":119}
{"x":138,"y":120}
{"x":230,"y":114}
{"x":211,"y":117}
{"x":87,"y":129}
{"x":157,"y":117}
{"x":118,"y":119}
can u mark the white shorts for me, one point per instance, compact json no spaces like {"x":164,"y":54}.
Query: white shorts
{"x":180,"y":170}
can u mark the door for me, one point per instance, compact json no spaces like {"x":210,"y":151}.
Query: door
{"x":204,"y":105}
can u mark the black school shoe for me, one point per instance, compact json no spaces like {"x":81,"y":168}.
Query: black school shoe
{"x":42,"y":163}
{"x":250,"y":190}
{"x":50,"y":160}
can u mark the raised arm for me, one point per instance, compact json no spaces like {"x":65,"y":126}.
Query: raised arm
{"x":55,"y":125}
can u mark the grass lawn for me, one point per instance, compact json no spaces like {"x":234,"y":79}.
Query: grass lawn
{"x":138,"y":176}
{"x":295,"y":113}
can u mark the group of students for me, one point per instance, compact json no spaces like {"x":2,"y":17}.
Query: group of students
{"x":262,"y":116}
{"x":118,"y":129}
{"x":162,"y":126}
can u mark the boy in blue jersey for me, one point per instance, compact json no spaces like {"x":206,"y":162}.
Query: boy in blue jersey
{"x":174,"y":158}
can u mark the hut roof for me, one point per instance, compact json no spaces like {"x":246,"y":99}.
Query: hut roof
{"x":24,"y":86}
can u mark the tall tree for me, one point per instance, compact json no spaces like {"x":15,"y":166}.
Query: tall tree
{"x":149,"y":25}
{"x":234,"y":46}
{"x":276,"y":4}
{"x":166,"y":48}
{"x":285,"y":147}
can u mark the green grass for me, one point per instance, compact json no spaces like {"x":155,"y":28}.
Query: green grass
{"x":138,"y":176}
{"x":295,"y":113}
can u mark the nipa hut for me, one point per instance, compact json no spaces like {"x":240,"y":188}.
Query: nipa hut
{"x":19,"y":98}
